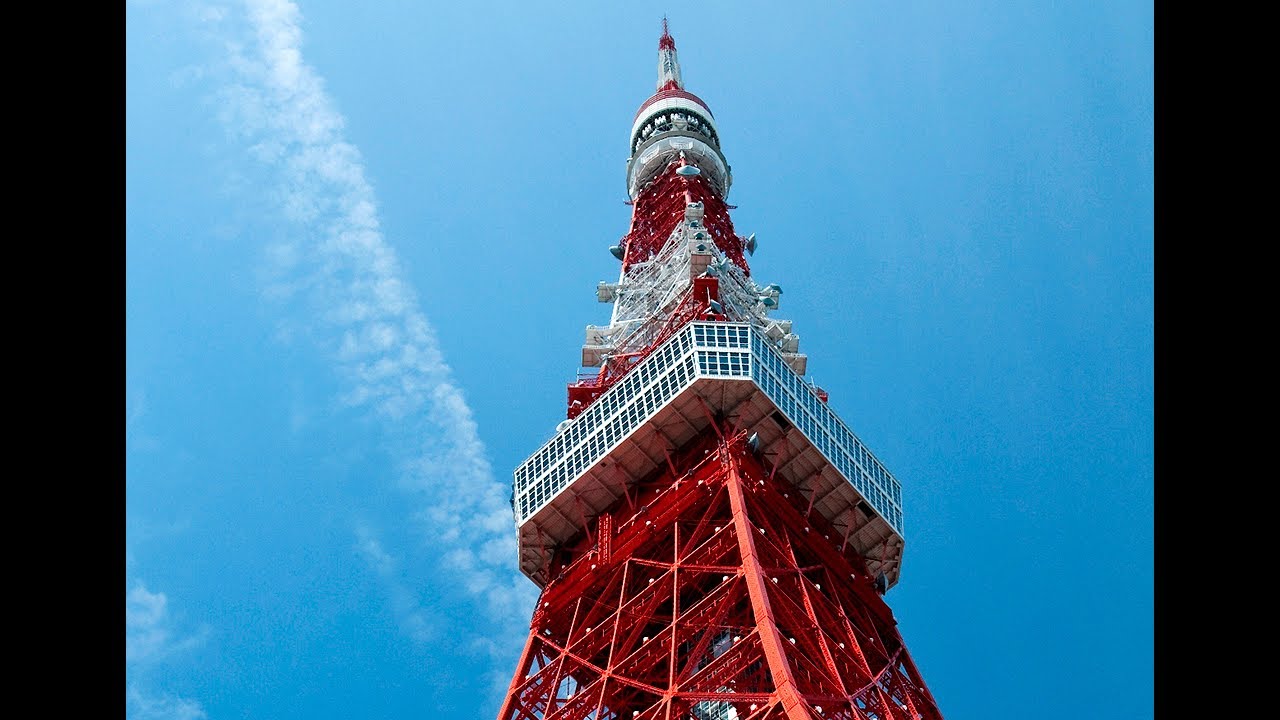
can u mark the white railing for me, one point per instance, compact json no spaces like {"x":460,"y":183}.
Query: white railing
{"x":701,"y":350}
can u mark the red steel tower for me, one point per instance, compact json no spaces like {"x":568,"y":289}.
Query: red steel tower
{"x":711,"y":540}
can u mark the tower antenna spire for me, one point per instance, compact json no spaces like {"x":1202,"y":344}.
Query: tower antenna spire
{"x":668,"y":63}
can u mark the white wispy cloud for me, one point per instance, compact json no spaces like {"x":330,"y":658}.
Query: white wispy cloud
{"x":140,"y":705}
{"x":341,"y":267}
{"x":149,"y":632}
{"x":146,"y":634}
{"x":151,"y":639}
{"x":408,"y":610}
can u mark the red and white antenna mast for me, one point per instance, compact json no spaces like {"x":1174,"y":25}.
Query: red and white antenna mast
{"x":712,"y":541}
{"x":668,"y":63}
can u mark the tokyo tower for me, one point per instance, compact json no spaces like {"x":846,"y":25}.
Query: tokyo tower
{"x":711,"y":540}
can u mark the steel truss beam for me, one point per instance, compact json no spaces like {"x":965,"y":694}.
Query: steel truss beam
{"x":715,"y":593}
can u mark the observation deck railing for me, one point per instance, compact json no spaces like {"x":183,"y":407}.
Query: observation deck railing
{"x":702,"y":351}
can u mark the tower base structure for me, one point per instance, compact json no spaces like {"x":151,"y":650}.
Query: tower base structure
{"x":714,"y":593}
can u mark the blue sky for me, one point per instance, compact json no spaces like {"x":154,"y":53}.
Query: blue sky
{"x":362,"y":241}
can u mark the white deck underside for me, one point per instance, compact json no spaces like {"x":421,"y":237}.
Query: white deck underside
{"x":620,"y":440}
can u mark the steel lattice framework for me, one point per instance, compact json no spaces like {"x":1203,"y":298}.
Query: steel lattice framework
{"x":715,"y":592}
{"x":712,"y":542}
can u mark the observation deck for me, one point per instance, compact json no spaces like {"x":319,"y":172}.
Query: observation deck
{"x":732,"y":370}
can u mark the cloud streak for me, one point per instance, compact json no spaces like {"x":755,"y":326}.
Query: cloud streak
{"x":339,"y":265}
{"x":148,"y":637}
{"x":143,"y":706}
{"x":150,"y":640}
{"x":409,"y":613}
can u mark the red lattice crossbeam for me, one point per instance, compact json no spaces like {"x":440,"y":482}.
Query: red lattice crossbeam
{"x":713,"y":588}
{"x":661,"y":205}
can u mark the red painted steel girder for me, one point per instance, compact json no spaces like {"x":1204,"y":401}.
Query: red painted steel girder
{"x":714,"y":590}
{"x":660,"y":206}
